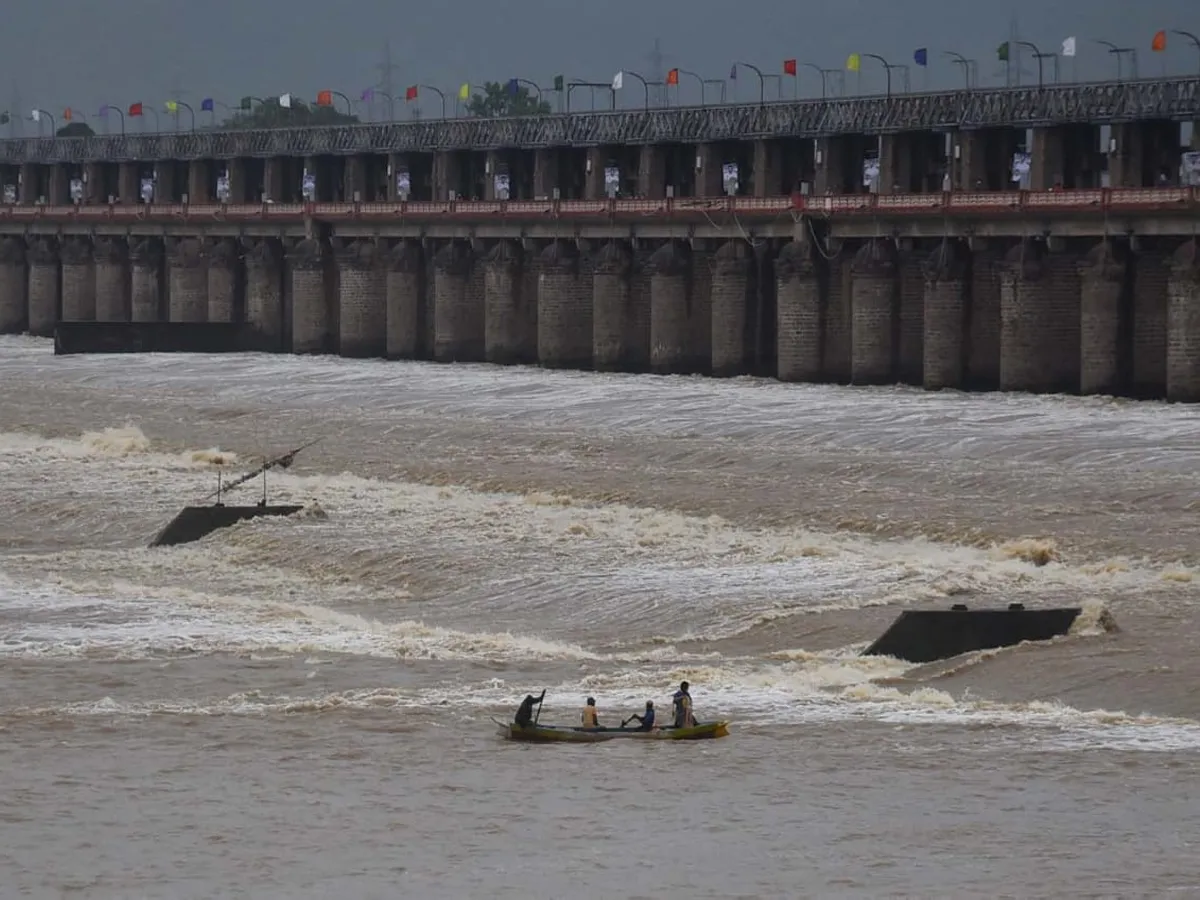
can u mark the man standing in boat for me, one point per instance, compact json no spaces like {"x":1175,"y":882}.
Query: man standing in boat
{"x":588,"y":717}
{"x":524,"y":716}
{"x":682,"y":701}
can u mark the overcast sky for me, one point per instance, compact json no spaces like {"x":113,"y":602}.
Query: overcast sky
{"x":60,"y":53}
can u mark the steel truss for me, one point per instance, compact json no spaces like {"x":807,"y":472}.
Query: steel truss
{"x":1175,"y":99}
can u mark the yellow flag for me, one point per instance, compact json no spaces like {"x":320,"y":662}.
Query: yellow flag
{"x":464,"y":92}
{"x":854,"y":62}
{"x":172,"y":106}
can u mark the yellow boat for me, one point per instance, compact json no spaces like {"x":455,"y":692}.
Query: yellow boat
{"x":561,"y":734}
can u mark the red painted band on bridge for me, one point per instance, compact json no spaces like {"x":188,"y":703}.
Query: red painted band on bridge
{"x":942,"y":204}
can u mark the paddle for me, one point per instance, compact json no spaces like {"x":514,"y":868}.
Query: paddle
{"x":538,"y":714}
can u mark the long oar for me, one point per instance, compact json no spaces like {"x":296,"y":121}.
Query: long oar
{"x":538,"y":714}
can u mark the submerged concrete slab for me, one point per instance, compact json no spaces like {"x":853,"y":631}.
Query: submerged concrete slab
{"x":922,"y":636}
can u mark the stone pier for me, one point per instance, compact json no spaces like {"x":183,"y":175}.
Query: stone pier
{"x":187,"y":287}
{"x":14,"y":296}
{"x":310,"y":266}
{"x":510,"y":315}
{"x":732,"y":286}
{"x":45,"y":296}
{"x":875,"y":319}
{"x":224,"y":280}
{"x":671,"y":308}
{"x":459,"y":318}
{"x":1104,"y":325}
{"x":800,"y":314}
{"x":114,"y":291}
{"x":264,"y":292}
{"x":947,"y":316}
{"x":564,"y":309}
{"x":1183,"y":325}
{"x":362,"y":299}
{"x":405,"y":302}
{"x":78,"y":281}
{"x":146,"y":276}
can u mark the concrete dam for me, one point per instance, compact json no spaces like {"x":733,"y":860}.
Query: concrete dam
{"x":1029,"y":239}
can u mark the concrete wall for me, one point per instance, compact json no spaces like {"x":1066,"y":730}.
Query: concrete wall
{"x":1110,"y":316}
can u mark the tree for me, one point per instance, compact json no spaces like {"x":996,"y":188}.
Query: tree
{"x":269,"y":114}
{"x":501,"y":100}
{"x":76,"y":129}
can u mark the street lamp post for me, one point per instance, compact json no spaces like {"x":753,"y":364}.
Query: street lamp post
{"x":1191,"y":37}
{"x":1119,"y":52}
{"x":762,"y":81}
{"x":106,"y":109}
{"x":35,"y":115}
{"x":887,"y":67}
{"x":699,"y":80}
{"x":645,"y":84}
{"x":593,"y":85}
{"x":349,"y":107}
{"x":968,"y":66}
{"x":536,"y":87}
{"x":1039,"y":56}
{"x":191,"y":112}
{"x":437,"y":91}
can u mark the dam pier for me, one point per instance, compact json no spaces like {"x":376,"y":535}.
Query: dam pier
{"x":1018,"y":239}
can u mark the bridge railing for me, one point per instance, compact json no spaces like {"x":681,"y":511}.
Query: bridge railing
{"x":965,"y":203}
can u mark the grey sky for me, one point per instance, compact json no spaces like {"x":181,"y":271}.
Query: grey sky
{"x":59,"y":53}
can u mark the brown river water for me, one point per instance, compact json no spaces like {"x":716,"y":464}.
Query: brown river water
{"x":303,"y":708}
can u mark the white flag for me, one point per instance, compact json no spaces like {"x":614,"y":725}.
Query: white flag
{"x":618,"y":81}
{"x":36,"y":115}
{"x":1069,"y":47}
{"x":285,"y":101}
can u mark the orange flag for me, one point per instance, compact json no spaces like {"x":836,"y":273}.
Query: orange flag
{"x":67,"y":114}
{"x":673,"y":77}
{"x":324,"y":98}
{"x":1159,"y":44}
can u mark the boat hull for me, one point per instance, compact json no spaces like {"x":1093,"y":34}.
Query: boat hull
{"x":557,"y":734}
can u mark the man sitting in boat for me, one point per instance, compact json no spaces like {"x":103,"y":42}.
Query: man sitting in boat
{"x":646,"y":719}
{"x":682,"y":702}
{"x":588,"y":717}
{"x":524,"y":716}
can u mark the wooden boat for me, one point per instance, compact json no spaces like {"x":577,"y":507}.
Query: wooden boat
{"x":562,"y":734}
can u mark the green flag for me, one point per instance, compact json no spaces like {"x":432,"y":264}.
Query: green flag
{"x":558,"y":82}
{"x":4,"y":118}
{"x":247,"y":103}
{"x":1002,"y":52}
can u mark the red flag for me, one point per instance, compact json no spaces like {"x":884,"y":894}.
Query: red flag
{"x":411,"y":93}
{"x":789,"y":67}
{"x":1159,"y":44}
{"x":324,"y":98}
{"x":67,"y":114}
{"x":673,"y":77}
{"x":135,"y":109}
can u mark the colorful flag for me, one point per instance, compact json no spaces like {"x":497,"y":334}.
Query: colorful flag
{"x":103,"y":113}
{"x":513,"y":87}
{"x":853,"y":62}
{"x":324,"y":98}
{"x":285,"y":101}
{"x":921,"y":56}
{"x":673,"y":77}
{"x":618,"y":81}
{"x":4,"y":118}
{"x":246,"y":103}
{"x":558,"y":82}
{"x":207,"y":105}
{"x":1002,"y":52}
{"x":36,"y":115}
{"x":733,"y":72}
{"x":1068,"y":47}
{"x":172,"y":106}
{"x":67,"y":114}
{"x":368,"y":96}
{"x":464,"y":91}
{"x":410,"y":93}
{"x":135,"y":109}
{"x":1159,"y":44}
{"x":789,"y":67}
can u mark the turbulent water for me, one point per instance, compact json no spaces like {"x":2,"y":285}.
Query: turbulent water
{"x":302,"y":707}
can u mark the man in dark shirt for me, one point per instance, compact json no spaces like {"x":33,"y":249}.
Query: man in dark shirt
{"x":524,"y":716}
{"x":646,"y":719}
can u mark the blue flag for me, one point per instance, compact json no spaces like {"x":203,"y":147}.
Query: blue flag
{"x":206,"y":105}
{"x":733,"y":72}
{"x":514,"y":87}
{"x":921,"y":57}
